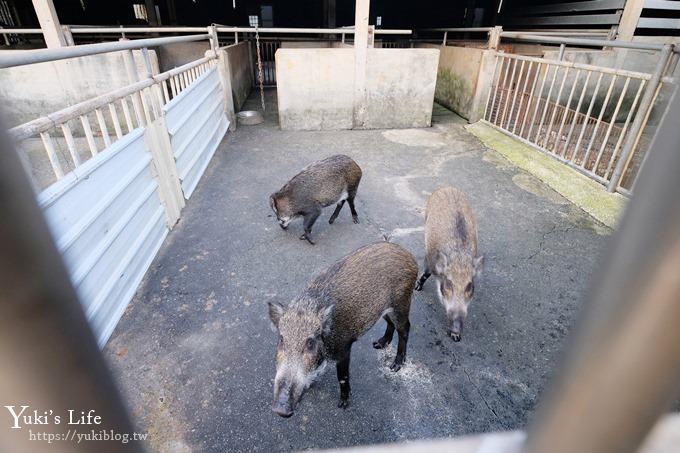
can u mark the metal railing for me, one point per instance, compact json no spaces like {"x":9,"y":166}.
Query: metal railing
{"x":63,"y":140}
{"x":589,"y":117}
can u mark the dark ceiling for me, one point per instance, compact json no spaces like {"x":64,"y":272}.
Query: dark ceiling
{"x":286,"y":13}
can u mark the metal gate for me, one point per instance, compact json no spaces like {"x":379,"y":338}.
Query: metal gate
{"x":268,"y":49}
{"x":589,"y":117}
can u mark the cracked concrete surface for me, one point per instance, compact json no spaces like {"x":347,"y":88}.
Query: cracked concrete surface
{"x":194,"y":353}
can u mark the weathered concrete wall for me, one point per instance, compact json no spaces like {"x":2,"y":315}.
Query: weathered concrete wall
{"x":241,"y":73}
{"x":317,"y":90}
{"x":31,"y":91}
{"x":180,"y":53}
{"x":463,"y":79}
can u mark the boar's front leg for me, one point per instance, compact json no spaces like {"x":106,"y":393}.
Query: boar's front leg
{"x":342,"y":368}
{"x":309,"y":219}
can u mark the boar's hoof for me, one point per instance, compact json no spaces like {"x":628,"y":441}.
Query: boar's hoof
{"x":355,"y":219}
{"x":343,"y":403}
{"x":305,"y":237}
{"x":380,"y":343}
{"x":419,"y":286}
{"x":395,"y":367}
{"x":455,"y":337}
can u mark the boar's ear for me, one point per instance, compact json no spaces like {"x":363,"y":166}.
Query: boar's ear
{"x":440,"y":263}
{"x":478,"y":265}
{"x":326,"y":320}
{"x":272,"y":203}
{"x":275,"y":312}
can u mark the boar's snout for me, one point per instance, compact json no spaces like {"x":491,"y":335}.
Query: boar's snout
{"x":282,"y":409}
{"x":285,"y":400}
{"x":456,"y":329}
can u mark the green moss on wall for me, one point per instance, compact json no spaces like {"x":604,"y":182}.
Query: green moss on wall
{"x":453,"y":91}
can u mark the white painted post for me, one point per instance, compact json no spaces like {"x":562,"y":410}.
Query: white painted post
{"x":360,"y":56}
{"x":49,"y":22}
{"x":629,"y":20}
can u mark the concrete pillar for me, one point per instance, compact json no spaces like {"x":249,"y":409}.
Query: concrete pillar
{"x":49,"y":22}
{"x":360,"y":55}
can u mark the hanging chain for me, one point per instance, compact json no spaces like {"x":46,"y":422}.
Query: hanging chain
{"x":259,"y":67}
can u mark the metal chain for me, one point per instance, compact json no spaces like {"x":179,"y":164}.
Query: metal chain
{"x":259,"y":67}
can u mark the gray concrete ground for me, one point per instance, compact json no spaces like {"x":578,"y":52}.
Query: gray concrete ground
{"x":194,"y":353}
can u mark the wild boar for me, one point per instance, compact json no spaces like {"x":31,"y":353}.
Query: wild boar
{"x":451,"y":253}
{"x":333,"y":311}
{"x":334,"y":179}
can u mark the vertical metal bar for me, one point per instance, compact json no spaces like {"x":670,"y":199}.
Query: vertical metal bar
{"x":611,"y":124}
{"x":546,"y":143}
{"x":530,"y":99}
{"x":166,"y":94}
{"x":499,"y":118}
{"x":624,"y":130}
{"x":577,"y":113}
{"x":599,"y":121}
{"x":566,"y":108}
{"x":116,"y":121}
{"x":643,"y":111}
{"x":102,"y":127}
{"x":587,"y":118}
{"x":491,"y":98}
{"x":514,"y":99}
{"x":519,"y":118}
{"x":538,"y":101}
{"x":126,"y":114}
{"x":546,"y":106}
{"x":88,"y":133}
{"x":644,"y":122}
{"x":508,"y":86}
{"x":446,"y":34}
{"x":52,"y":155}
{"x":72,"y":149}
{"x":145,"y":107}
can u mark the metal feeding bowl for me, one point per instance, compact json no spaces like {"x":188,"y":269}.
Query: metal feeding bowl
{"x":249,"y":117}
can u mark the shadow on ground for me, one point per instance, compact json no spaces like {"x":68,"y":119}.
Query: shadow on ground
{"x":194,"y":353}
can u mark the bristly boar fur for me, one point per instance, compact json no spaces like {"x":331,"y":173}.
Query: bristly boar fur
{"x":334,"y":179}
{"x":451,"y":253}
{"x":333,"y":311}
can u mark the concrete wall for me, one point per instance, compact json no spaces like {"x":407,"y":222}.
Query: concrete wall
{"x":180,"y":53}
{"x":317,"y":90}
{"x":241,"y":73}
{"x":463,"y":79}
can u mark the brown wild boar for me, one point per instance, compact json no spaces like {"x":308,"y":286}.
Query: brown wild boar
{"x":333,"y":311}
{"x":451,"y":253}
{"x":334,"y":179}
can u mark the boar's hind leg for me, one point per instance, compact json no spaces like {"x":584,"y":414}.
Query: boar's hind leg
{"x":309,"y":219}
{"x":338,"y":207}
{"x":402,"y":332}
{"x":355,"y":216}
{"x":342,"y":368}
{"x":387,"y":338}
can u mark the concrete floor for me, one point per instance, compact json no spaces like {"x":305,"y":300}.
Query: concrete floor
{"x":194,"y":353}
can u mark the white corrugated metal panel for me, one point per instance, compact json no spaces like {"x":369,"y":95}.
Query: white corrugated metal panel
{"x":108,"y":223}
{"x":196,"y":123}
